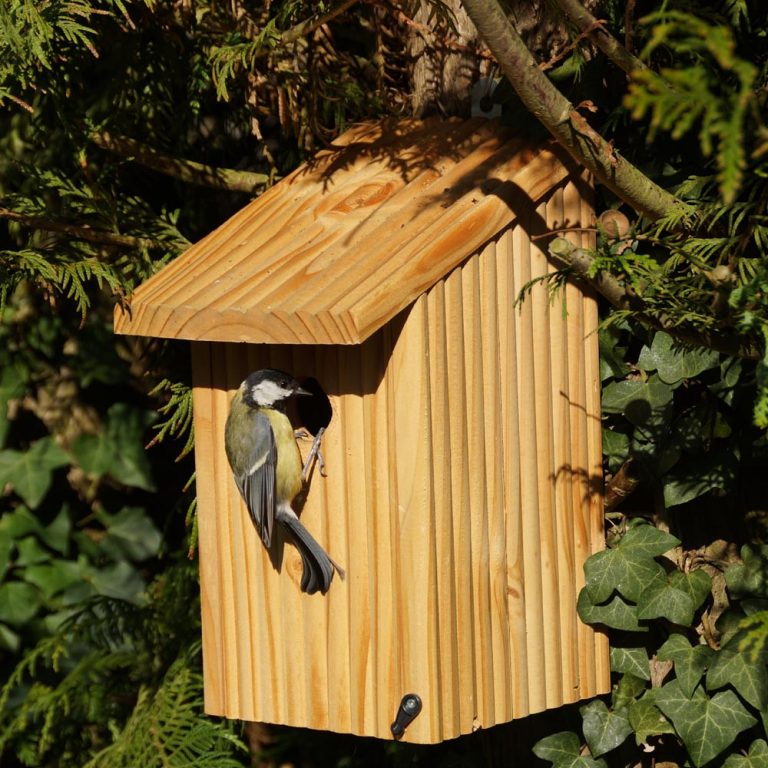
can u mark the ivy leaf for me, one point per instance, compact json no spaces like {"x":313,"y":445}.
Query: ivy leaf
{"x":696,"y":584}
{"x":54,"y":577}
{"x":690,"y":661}
{"x":31,"y":552}
{"x":750,"y":577}
{"x":757,"y":757}
{"x":649,"y":540}
{"x":19,"y":602}
{"x":635,"y":399}
{"x":706,"y":726}
{"x":696,"y":476}
{"x":672,"y":362}
{"x":604,"y":729}
{"x":662,"y":600}
{"x":563,"y":750}
{"x":30,"y":472}
{"x":628,"y":689}
{"x":621,"y":569}
{"x":628,"y":567}
{"x":617,"y":613}
{"x":633,"y":661}
{"x":118,"y":450}
{"x":130,"y":534}
{"x":749,"y":677}
{"x":615,"y":447}
{"x":647,"y":719}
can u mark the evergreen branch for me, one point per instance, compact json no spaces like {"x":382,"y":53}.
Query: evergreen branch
{"x":561,"y":118}
{"x":600,"y":36}
{"x":188,"y":171}
{"x":581,"y":263}
{"x":305,"y":28}
{"x":99,"y":236}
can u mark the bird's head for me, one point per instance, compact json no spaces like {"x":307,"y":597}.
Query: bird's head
{"x":269,"y":388}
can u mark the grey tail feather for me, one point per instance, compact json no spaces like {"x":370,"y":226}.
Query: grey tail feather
{"x":318,"y":567}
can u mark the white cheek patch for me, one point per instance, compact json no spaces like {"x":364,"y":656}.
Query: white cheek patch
{"x":268,"y":393}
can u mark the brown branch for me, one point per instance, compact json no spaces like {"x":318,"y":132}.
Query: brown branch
{"x":600,"y":36}
{"x":186,"y":170}
{"x":622,"y":485}
{"x":99,"y":236}
{"x":580,"y":261}
{"x":558,"y":115}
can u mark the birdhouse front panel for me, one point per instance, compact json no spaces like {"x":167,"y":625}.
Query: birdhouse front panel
{"x":461,"y":490}
{"x":462,"y":465}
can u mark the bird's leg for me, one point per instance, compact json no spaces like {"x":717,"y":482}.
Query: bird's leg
{"x":314,"y":452}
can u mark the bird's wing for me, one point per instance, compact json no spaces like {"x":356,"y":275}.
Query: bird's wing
{"x":257,"y":481}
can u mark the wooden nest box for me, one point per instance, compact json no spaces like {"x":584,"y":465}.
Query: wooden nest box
{"x":463,"y":448}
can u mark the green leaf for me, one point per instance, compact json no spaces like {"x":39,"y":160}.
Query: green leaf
{"x":690,"y":661}
{"x":649,"y":540}
{"x":750,"y":577}
{"x":620,"y":569}
{"x":31,"y":552}
{"x":706,"y":726}
{"x":563,"y":751}
{"x":30,"y":472}
{"x":757,"y":757}
{"x":19,"y":602}
{"x":647,"y":720}
{"x":698,"y":475}
{"x":615,"y":448}
{"x":696,"y":584}
{"x":9,"y":640}
{"x":633,"y":661}
{"x":118,"y":450}
{"x":635,"y":399}
{"x":120,"y":580}
{"x":57,"y":534}
{"x":674,"y":362}
{"x":54,"y":577}
{"x":604,"y":729}
{"x":627,"y":690}
{"x":616,"y":613}
{"x":130,"y":533}
{"x":662,"y":600}
{"x":19,"y":522}
{"x":749,"y":677}
{"x":629,"y":567}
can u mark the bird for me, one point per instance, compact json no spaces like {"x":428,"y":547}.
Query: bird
{"x":261,"y":448}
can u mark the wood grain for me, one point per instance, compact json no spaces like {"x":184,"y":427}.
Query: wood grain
{"x":339,"y":247}
{"x":462,"y":497}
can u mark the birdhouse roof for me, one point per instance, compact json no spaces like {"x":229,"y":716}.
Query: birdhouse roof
{"x":336,"y":249}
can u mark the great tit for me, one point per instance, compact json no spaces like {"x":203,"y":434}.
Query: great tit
{"x":262,"y":451}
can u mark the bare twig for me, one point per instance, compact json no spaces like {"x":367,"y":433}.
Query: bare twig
{"x":99,"y":236}
{"x":185,"y":170}
{"x":600,"y":36}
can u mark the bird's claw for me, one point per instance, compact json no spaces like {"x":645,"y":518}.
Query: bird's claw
{"x":314,"y":452}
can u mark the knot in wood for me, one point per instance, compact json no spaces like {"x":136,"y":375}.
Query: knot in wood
{"x":365,"y":196}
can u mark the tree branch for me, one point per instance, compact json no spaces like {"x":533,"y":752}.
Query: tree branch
{"x":610,"y":287}
{"x":186,"y":170}
{"x":99,"y":236}
{"x":560,"y":117}
{"x":600,"y":36}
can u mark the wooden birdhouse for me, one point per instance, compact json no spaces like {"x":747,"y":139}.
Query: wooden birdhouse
{"x":462,"y":451}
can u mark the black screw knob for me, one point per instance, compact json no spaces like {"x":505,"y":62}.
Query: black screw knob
{"x":410,"y":706}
